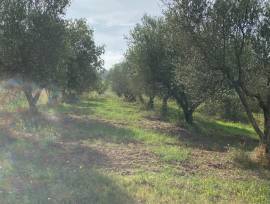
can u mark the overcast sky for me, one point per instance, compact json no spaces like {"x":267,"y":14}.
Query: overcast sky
{"x":112,"y":20}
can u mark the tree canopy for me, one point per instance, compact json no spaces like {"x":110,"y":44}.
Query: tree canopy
{"x":40,"y":48}
{"x":233,"y":38}
{"x":203,"y":49}
{"x":84,"y":63}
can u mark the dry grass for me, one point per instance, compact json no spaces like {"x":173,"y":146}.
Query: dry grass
{"x":261,"y":156}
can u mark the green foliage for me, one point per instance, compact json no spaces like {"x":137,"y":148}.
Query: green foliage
{"x":146,"y":56}
{"x":42,"y":50}
{"x":233,"y":39}
{"x":26,"y":27}
{"x":104,"y":150}
{"x":32,"y":43}
{"x":121,"y":81}
{"x":83,"y":64}
{"x":161,"y":61}
{"x":227,"y":107}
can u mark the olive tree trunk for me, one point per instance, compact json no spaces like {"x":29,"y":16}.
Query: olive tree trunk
{"x":164,"y":108}
{"x":264,"y":135}
{"x":150,"y":104}
{"x":188,"y":116}
{"x":32,"y":98}
{"x":187,"y":107}
{"x":141,"y":99}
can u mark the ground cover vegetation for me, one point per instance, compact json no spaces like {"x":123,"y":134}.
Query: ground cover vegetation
{"x":184,"y":118}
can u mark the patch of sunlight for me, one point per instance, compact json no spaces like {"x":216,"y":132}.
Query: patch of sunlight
{"x":151,"y":137}
{"x":172,"y":153}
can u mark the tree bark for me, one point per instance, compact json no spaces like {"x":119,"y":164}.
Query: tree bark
{"x":32,"y":100}
{"x":164,"y":108}
{"x":141,"y":99}
{"x":249,"y":113}
{"x":188,"y":112}
{"x":130,"y":97}
{"x":265,"y":134}
{"x":266,"y":137}
{"x":183,"y":103}
{"x":151,"y":102}
{"x":188,"y":116}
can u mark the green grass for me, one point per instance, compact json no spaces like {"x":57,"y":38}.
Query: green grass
{"x":108,"y":108}
{"x":166,"y":187}
{"x":104,"y":150}
{"x":172,"y":153}
{"x":216,"y":133}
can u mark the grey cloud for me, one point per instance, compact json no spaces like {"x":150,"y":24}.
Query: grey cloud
{"x":111,"y":20}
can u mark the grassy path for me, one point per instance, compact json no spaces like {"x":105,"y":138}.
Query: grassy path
{"x":104,"y":150}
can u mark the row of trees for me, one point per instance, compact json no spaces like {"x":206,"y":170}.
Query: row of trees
{"x":202,"y":49}
{"x":45,"y":51}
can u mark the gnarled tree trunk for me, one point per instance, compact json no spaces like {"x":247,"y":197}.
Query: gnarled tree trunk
{"x":32,"y":99}
{"x":164,"y":108}
{"x":187,"y":108}
{"x":150,"y":104}
{"x":265,"y":134}
{"x":141,"y":99}
{"x":130,"y":97}
{"x":188,"y":116}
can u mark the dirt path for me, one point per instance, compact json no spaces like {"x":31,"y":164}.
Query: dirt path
{"x":122,"y":158}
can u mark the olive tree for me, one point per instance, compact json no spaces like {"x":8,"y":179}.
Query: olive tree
{"x":191,"y":83}
{"x":83,"y":65}
{"x":233,"y":37}
{"x":146,"y":55}
{"x":121,"y":81}
{"x":32,"y":40}
{"x":165,"y":62}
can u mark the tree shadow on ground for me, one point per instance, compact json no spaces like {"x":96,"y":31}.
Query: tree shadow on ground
{"x":208,"y":136}
{"x":85,"y":128}
{"x":75,"y":109}
{"x":83,"y":108}
{"x":219,"y":137}
{"x":205,"y":134}
{"x":74,"y":127}
{"x":36,"y":171}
